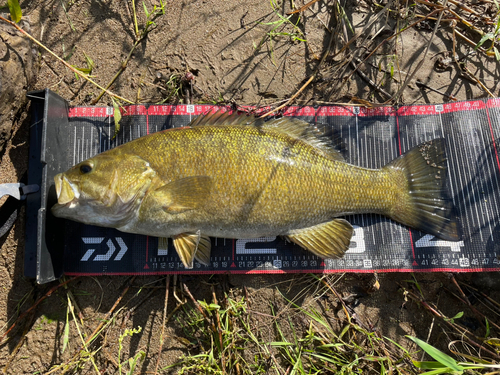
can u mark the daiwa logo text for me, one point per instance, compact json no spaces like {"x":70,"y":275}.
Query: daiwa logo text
{"x":122,"y":249}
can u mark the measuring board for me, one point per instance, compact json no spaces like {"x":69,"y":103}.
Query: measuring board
{"x":372,"y":138}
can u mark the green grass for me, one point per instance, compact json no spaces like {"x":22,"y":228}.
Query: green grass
{"x":231,"y":342}
{"x":283,"y":27}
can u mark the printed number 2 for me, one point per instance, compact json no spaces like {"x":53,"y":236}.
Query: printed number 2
{"x":357,"y":241}
{"x":431,"y":241}
{"x":241,"y":246}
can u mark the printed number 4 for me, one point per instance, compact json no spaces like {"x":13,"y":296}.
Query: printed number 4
{"x":431,"y":241}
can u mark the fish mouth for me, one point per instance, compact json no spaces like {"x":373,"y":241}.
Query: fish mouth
{"x":67,"y":192}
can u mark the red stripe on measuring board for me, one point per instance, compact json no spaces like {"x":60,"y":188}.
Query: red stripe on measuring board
{"x":129,"y":110}
{"x":493,"y":103}
{"x":254,"y":272}
{"x":196,"y":110}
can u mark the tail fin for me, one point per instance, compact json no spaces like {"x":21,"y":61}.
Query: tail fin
{"x":425,"y":205}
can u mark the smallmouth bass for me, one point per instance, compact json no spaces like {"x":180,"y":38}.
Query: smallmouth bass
{"x":233,"y":176}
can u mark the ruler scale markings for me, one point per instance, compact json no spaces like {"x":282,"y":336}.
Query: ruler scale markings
{"x":404,"y":148}
{"x":393,"y":148}
{"x":449,"y":164}
{"x":481,"y":175}
{"x":373,"y":156}
{"x":477,"y":202}
{"x":358,"y":159}
{"x":492,"y":172}
{"x":480,"y":202}
{"x":74,"y":146}
{"x":468,"y":174}
{"x":91,"y":141}
{"x":493,"y":135}
{"x":384,"y":162}
{"x":458,"y":176}
{"x":484,"y":148}
{"x":395,"y":152}
{"x":109,"y":134}
{"x":100,"y":141}
{"x":368,"y":162}
{"x":419,"y":137}
{"x":496,"y":167}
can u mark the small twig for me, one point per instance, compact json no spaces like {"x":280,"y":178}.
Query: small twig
{"x":85,"y":76}
{"x":303,"y":8}
{"x":85,"y":346}
{"x":489,"y":299}
{"x":174,"y":292}
{"x":344,"y":306}
{"x":464,"y":298}
{"x":365,"y":78}
{"x":488,"y":53}
{"x":110,"y":312}
{"x":462,"y":331}
{"x":197,"y":305}
{"x":430,"y":331}
{"x":162,"y":336}
{"x":424,"y":86}
{"x":410,"y":77}
{"x":463,"y":67}
{"x":48,"y":294}
{"x":19,"y":344}
{"x":323,"y":58}
{"x":93,"y":335}
{"x":135,"y":19}
{"x":395,"y":35}
{"x":219,"y":330}
{"x":123,"y":66}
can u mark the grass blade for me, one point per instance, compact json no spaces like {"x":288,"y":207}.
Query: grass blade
{"x":438,"y":355}
{"x":15,"y":10}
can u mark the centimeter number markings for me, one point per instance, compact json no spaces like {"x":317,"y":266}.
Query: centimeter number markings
{"x":268,"y":257}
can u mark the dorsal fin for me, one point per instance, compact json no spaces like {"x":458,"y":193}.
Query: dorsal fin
{"x":290,"y":126}
{"x":222,"y":118}
{"x":302,"y":130}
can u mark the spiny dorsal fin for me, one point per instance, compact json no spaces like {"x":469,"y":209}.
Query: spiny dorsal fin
{"x":290,"y":126}
{"x":222,"y":118}
{"x":302,"y":130}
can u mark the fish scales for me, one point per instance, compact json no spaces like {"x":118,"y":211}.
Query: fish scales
{"x":263,"y":181}
{"x":225,"y":178}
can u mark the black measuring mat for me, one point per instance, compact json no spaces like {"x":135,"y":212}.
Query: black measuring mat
{"x":371,"y":137}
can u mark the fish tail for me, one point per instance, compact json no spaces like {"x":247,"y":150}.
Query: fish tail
{"x":423,"y":203}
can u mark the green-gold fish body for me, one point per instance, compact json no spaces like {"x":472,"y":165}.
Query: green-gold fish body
{"x":223,"y":177}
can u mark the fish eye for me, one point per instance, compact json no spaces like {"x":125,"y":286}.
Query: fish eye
{"x":85,"y":168}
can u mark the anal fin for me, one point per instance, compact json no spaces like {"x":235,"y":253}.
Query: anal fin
{"x":326,"y":240}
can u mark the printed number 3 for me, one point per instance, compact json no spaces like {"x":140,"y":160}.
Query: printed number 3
{"x":357,"y":241}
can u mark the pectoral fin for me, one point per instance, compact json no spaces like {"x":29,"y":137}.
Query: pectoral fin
{"x":327,"y":240}
{"x":185,"y":194}
{"x":204,"y":248}
{"x":192,"y":245}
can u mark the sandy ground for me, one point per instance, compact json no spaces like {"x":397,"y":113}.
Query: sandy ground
{"x":225,"y":52}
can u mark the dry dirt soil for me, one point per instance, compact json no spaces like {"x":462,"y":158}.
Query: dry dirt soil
{"x":231,"y":52}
